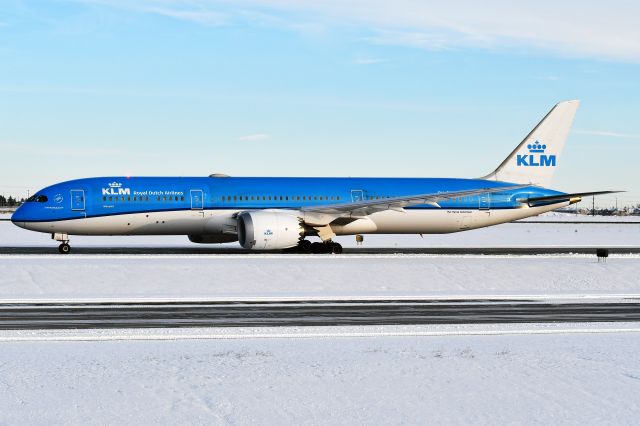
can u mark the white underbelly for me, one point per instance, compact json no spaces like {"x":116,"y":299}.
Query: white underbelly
{"x":184,"y":222}
{"x":439,"y":221}
{"x":198,"y":222}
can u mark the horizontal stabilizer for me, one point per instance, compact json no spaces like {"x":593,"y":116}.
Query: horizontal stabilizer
{"x":573,"y":198}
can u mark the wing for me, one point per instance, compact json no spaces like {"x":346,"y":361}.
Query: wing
{"x":363,"y":208}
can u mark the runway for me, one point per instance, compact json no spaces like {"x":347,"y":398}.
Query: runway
{"x":29,"y":316}
{"x":155,"y":250}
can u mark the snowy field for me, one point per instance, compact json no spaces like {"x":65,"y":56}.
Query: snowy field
{"x":499,"y":379}
{"x":278,"y":276}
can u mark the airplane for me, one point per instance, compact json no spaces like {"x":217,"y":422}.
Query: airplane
{"x":278,"y":213}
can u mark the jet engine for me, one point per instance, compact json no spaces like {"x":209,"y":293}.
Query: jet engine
{"x":269,"y":230}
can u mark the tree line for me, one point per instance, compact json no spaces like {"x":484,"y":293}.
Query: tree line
{"x":10,"y":201}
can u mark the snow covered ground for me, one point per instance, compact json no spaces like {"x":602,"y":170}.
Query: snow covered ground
{"x":232,"y":276}
{"x":498,"y":379}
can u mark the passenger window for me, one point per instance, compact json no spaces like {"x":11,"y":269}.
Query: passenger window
{"x":182,"y":198}
{"x":104,"y":198}
{"x":338,"y":198}
{"x":298,"y":198}
{"x":235,"y":198}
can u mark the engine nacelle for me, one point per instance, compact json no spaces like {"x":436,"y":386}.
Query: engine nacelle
{"x":212,"y":238}
{"x":269,"y":230}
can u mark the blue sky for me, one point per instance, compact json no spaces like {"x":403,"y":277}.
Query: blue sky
{"x":344,"y":88}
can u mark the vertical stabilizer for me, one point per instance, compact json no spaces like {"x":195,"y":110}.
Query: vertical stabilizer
{"x":537,"y":157}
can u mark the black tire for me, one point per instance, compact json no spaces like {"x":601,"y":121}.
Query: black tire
{"x":304,"y":246}
{"x":64,"y":248}
{"x":317,"y":248}
{"x":336,"y":248}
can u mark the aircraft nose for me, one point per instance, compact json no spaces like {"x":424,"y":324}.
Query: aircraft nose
{"x":18,"y":217}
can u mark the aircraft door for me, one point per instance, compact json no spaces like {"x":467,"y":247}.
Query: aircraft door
{"x":197,"y":199}
{"x":357,"y":195}
{"x":485,"y":201}
{"x":77,"y":199}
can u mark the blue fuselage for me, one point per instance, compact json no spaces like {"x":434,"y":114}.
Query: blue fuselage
{"x":109,"y":196}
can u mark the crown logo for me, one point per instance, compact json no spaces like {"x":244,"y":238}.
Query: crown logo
{"x":536,"y":147}
{"x":115,"y":185}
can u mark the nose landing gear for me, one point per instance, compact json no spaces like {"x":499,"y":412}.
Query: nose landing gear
{"x":64,"y":247}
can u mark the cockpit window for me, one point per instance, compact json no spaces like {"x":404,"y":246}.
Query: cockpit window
{"x":37,"y":199}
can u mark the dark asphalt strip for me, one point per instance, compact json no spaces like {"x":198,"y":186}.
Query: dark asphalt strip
{"x":268,"y":314}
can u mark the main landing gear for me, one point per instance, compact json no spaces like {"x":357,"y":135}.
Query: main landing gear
{"x":306,"y":246}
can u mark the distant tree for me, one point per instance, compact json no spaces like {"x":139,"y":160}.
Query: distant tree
{"x":11,"y":202}
{"x":3,"y":200}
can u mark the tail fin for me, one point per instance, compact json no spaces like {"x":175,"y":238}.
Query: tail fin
{"x":535,"y":160}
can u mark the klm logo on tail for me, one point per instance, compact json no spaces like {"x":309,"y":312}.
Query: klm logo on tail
{"x":536,"y":157}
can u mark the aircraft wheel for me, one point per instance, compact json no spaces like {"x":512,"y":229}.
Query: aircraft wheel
{"x":317,"y":248}
{"x":336,"y":248}
{"x":64,"y":248}
{"x":304,"y":246}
